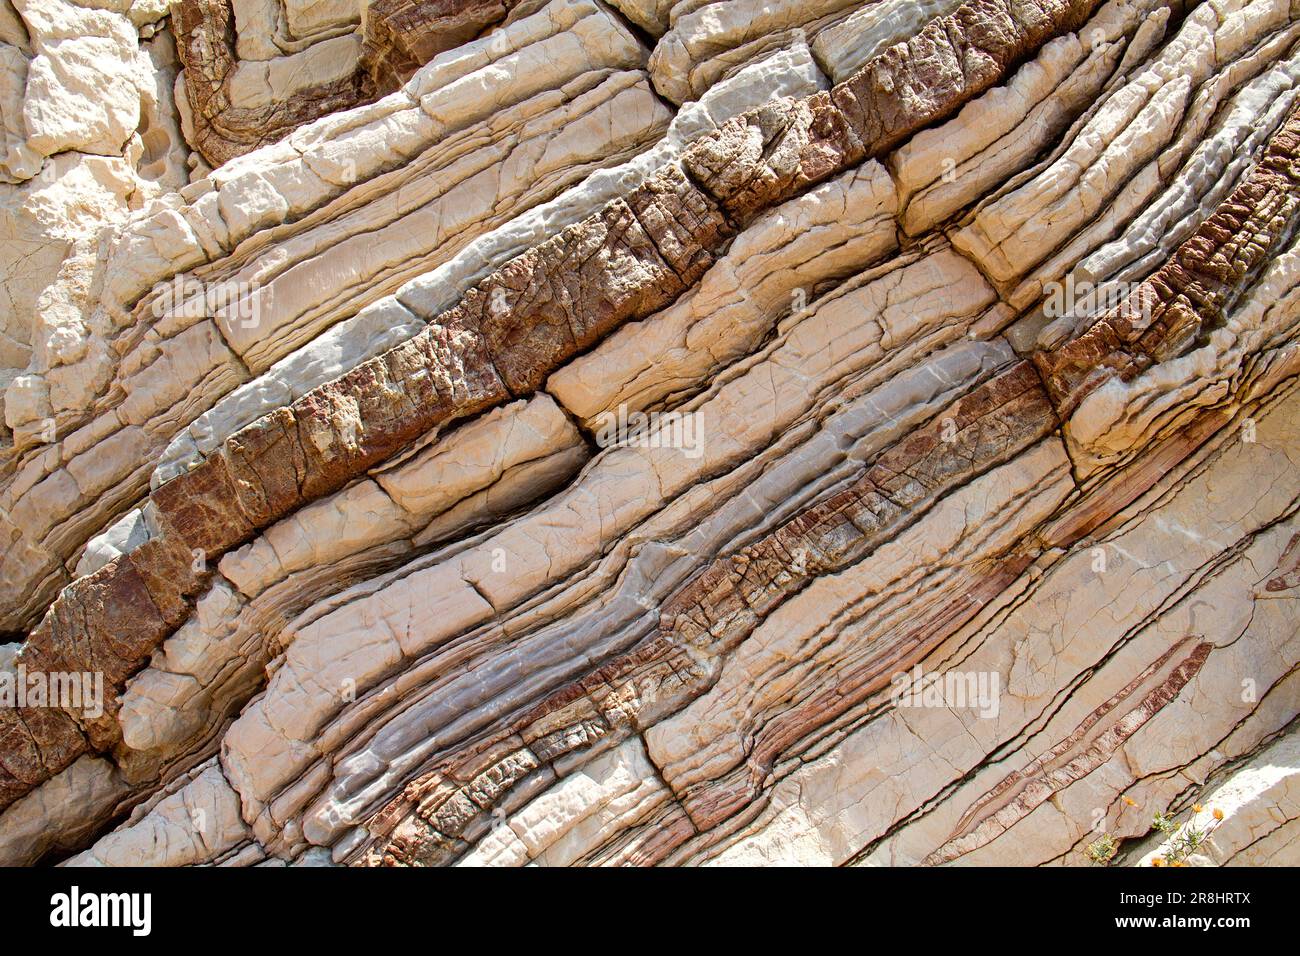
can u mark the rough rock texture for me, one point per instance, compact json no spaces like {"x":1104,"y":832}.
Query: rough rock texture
{"x":237,"y":103}
{"x":494,"y":433}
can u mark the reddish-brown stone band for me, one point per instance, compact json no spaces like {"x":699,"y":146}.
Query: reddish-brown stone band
{"x":632,"y":258}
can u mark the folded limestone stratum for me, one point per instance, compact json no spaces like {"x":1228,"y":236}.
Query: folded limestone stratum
{"x":650,"y":432}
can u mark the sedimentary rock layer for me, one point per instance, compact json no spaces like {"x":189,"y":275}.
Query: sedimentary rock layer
{"x":245,"y":89}
{"x":224,"y":120}
{"x":673,"y":434}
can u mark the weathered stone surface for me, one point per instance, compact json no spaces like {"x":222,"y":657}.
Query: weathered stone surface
{"x":773,"y":153}
{"x":196,"y":337}
{"x":1258,"y":807}
{"x":626,"y":262}
{"x":703,"y":42}
{"x":237,"y":106}
{"x":400,"y":36}
{"x":658,"y":433}
{"x":195,"y":824}
{"x":953,"y":59}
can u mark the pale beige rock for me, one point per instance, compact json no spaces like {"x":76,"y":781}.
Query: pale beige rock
{"x":1259,"y":802}
{"x":392,"y":319}
{"x":505,"y":632}
{"x":1207,"y":515}
{"x":835,"y":229}
{"x":1113,"y":161}
{"x":417,"y":219}
{"x":42,"y":220}
{"x":61,"y":814}
{"x":845,"y":46}
{"x":705,"y":43}
{"x":941,"y":171}
{"x":478,"y":454}
{"x":193,"y":825}
{"x":163,"y":707}
{"x":68,"y":106}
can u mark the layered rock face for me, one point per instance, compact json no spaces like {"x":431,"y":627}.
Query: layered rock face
{"x":650,"y":433}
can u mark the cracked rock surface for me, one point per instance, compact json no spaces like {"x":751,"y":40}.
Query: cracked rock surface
{"x":655,"y":432}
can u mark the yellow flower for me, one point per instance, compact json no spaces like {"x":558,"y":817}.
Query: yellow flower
{"x":1197,"y":808}
{"x":1156,"y":861}
{"x":1218,"y":814}
{"x":1130,"y":801}
{"x":1178,"y":863}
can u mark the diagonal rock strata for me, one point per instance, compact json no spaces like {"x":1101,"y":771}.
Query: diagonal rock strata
{"x":1091,"y":743}
{"x":170,"y":359}
{"x":374,"y":572}
{"x":1194,"y":290}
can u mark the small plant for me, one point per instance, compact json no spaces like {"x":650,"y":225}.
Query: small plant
{"x":1184,"y":839}
{"x":1184,"y":844}
{"x":1102,"y":850}
{"x":1163,"y":822}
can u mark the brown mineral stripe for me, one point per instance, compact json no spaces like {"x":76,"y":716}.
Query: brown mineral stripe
{"x":1288,"y":568}
{"x":110,"y":622}
{"x":1193,"y":290}
{"x":1084,"y":749}
{"x":205,"y":34}
{"x":685,"y":223}
{"x":403,"y":35}
{"x":628,"y":261}
{"x":416,"y":843}
{"x":266,"y":466}
{"x":318,"y":444}
{"x":562,"y":296}
{"x":107,"y":623}
{"x":170,"y":573}
{"x":950,"y":62}
{"x":988,"y":426}
{"x":202,"y":507}
{"x":1009,"y":412}
{"x":762,"y":158}
{"x":711,"y":803}
{"x":35,"y":744}
{"x":1086,"y":514}
{"x":652,"y":843}
{"x":622,"y":692}
{"x":1085,"y":363}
